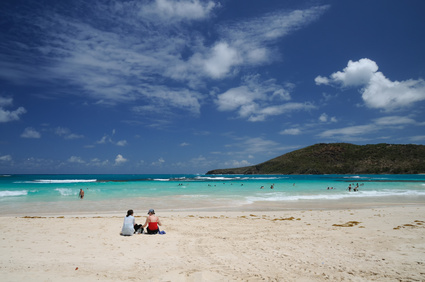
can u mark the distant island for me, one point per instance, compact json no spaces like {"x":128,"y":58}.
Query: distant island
{"x":341,"y":158}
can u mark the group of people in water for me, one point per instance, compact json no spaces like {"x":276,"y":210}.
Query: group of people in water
{"x":130,"y":227}
{"x":271,"y":187}
{"x":355,"y":189}
{"x":349,"y":188}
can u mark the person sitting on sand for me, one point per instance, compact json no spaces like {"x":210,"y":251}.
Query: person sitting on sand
{"x":152,"y":221}
{"x":129,"y":227}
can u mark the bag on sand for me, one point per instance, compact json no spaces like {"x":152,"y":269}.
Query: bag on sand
{"x":138,"y":229}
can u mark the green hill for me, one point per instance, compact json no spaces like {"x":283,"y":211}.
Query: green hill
{"x":342,"y":158}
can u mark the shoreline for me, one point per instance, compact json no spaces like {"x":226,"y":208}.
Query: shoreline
{"x":86,"y":206}
{"x":383,"y":243}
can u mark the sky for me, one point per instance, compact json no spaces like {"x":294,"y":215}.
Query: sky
{"x":187,"y":86}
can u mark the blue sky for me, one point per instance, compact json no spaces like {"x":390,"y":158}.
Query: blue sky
{"x":188,"y":86}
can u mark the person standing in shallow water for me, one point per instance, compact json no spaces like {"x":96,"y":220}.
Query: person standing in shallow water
{"x":152,"y":222}
{"x":81,"y":195}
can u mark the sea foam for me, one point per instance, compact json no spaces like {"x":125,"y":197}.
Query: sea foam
{"x":13,"y":193}
{"x":65,"y":181}
{"x":66,"y":191}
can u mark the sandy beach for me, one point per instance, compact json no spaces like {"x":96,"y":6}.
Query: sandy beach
{"x":373,"y":244}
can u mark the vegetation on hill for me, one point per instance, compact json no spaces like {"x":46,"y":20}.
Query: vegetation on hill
{"x":342,"y":158}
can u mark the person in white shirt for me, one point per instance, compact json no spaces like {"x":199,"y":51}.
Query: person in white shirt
{"x":129,"y":224}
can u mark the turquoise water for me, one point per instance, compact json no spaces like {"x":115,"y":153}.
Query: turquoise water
{"x":54,"y":193}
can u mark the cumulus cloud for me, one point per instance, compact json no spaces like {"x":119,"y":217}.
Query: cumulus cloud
{"x":377,"y":90}
{"x":220,"y":60}
{"x":30,"y":132}
{"x":6,"y":115}
{"x":120,"y":160}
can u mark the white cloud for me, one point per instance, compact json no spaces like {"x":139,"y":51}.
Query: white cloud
{"x":235,"y":163}
{"x":105,"y":139}
{"x":353,"y":131}
{"x":75,"y":159}
{"x":355,"y":74}
{"x":30,"y":132}
{"x":321,"y":80}
{"x":237,"y":97}
{"x":62,"y":131}
{"x":66,"y":133}
{"x":377,"y":90}
{"x":74,"y":136}
{"x":325,"y":118}
{"x":6,"y":158}
{"x":252,"y":37}
{"x":389,"y":95}
{"x":262,"y":114}
{"x":159,"y":162}
{"x":111,"y":65}
{"x":256,"y":100}
{"x":184,"y":144}
{"x":172,"y":11}
{"x":418,"y":138}
{"x":98,"y":163}
{"x":122,"y":143}
{"x":247,"y":43}
{"x":7,"y":116}
{"x":120,"y":160}
{"x":221,"y":59}
{"x":132,"y":51}
{"x":258,"y":145}
{"x":380,"y":124}
{"x":5,"y":101}
{"x":394,"y":120}
{"x":291,"y":131}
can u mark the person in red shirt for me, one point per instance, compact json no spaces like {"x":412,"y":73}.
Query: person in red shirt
{"x":152,"y":222}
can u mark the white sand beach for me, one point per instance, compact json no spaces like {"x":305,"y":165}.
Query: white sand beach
{"x":373,"y":244}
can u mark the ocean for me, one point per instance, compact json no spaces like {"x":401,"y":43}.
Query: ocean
{"x":58,"y":194}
